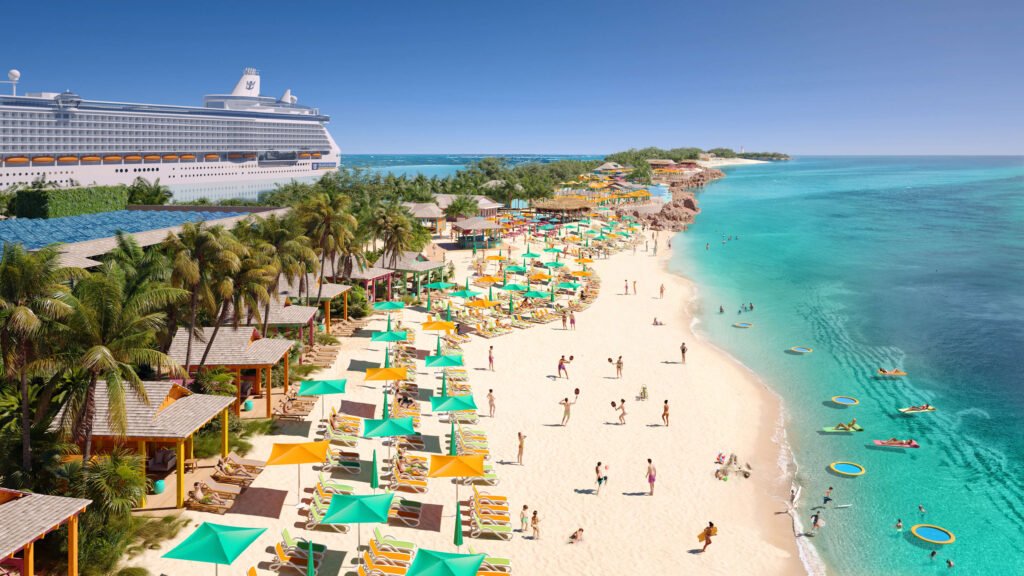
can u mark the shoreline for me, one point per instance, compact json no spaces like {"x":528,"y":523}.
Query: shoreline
{"x":720,"y":162}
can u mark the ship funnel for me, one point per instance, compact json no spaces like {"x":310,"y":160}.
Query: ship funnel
{"x":249,"y":84}
{"x":288,"y":97}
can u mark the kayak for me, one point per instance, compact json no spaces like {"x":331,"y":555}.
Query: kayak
{"x":833,"y":429}
{"x":893,"y":372}
{"x":915,"y":410}
{"x":886,"y":444}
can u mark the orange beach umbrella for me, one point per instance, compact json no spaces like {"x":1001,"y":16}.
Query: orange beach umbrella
{"x":282,"y":454}
{"x":387,"y":374}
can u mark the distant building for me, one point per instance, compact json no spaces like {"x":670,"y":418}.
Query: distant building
{"x":428,"y":214}
{"x":661,"y":163}
{"x":485,"y":206}
{"x":609,"y":168}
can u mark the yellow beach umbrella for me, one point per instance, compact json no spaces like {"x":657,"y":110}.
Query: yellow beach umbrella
{"x":584,"y":261}
{"x":540,"y":276}
{"x":496,"y":258}
{"x":386,"y":374}
{"x":456,"y":466}
{"x":282,"y":454}
{"x":438,"y":326}
{"x":482,"y":304}
{"x":489,"y":279}
{"x":581,"y":273}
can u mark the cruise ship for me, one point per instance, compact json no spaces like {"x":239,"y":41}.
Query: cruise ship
{"x":234,"y":145}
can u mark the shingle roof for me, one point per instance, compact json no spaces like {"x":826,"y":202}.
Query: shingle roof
{"x":476,"y":223}
{"x":410,"y":262}
{"x":279,"y":315}
{"x":330,"y":291}
{"x":482,"y":202}
{"x":27,"y":517}
{"x":173,"y":412}
{"x":364,"y":273}
{"x":424,"y":210}
{"x":233,"y":347}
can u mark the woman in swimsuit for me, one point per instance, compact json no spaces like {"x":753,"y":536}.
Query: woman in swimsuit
{"x":568,"y":410}
{"x":664,"y":413}
{"x":618,"y":367}
{"x":651,"y":474}
{"x":622,"y":410}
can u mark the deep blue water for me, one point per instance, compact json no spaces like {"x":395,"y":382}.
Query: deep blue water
{"x":916,"y":263}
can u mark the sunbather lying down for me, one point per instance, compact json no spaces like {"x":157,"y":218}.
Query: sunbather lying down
{"x":844,"y":426}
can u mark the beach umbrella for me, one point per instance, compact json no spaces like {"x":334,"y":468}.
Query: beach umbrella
{"x":385,"y":413}
{"x":389,"y":305}
{"x":552,"y":293}
{"x":535,"y":294}
{"x":584,"y":261}
{"x":531,"y":255}
{"x":540,"y":276}
{"x":215,"y":544}
{"x":581,"y":273}
{"x":488,"y":279}
{"x":359,"y":509}
{"x":465,"y":293}
{"x":438,"y":326}
{"x":390,"y":336}
{"x":388,"y":427}
{"x":434,"y":563}
{"x":452,"y":403}
{"x":444,"y":361}
{"x":546,"y":227}
{"x":386,"y":374}
{"x":283,"y":454}
{"x":511,"y":306}
{"x":436,"y":286}
{"x":568,"y":286}
{"x":554,"y":264}
{"x":374,"y":476}
{"x":496,"y":258}
{"x":514,"y":288}
{"x":456,"y":466}
{"x":453,"y":450}
{"x":482,"y":304}
{"x":553,"y":250}
{"x":448,"y":314}
{"x":322,"y":388}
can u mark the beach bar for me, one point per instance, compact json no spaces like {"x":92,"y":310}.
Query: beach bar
{"x":477,"y":232}
{"x":323,"y":294}
{"x":236,"y":349}
{"x":25,"y":518}
{"x":415,"y":268}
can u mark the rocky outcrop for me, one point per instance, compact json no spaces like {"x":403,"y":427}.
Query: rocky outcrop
{"x":678,"y":213}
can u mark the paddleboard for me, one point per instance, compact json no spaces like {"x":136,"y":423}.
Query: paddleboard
{"x":883,"y":444}
{"x":833,"y":430}
{"x":844,"y":506}
{"x":916,"y":410}
{"x":714,"y":532}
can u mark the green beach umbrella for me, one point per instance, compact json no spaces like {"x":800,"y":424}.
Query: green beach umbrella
{"x":374,"y":477}
{"x":390,"y":336}
{"x":444,"y":384}
{"x":517,"y":269}
{"x":453,"y":450}
{"x":553,"y":250}
{"x":554,"y":264}
{"x":434,"y":563}
{"x":514,"y":288}
{"x":215,"y":544}
{"x":466,"y":293}
{"x":388,"y":427}
{"x":511,"y":306}
{"x":444,"y":361}
{"x":531,"y":255}
{"x":452,"y":404}
{"x":546,"y":227}
{"x":448,"y":314}
{"x":568,"y":286}
{"x":322,"y":388}
{"x":384,"y":411}
{"x":359,"y":509}
{"x":552,"y":292}
{"x":388,"y":305}
{"x":535,"y":294}
{"x":457,"y":540}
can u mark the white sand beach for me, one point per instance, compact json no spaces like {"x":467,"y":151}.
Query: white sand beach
{"x":720,"y":162}
{"x":716,"y":406}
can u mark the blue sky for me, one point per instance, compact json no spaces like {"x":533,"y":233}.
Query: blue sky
{"x":455,"y":76}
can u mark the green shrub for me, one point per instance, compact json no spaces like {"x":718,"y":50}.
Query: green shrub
{"x":358,"y":307}
{"x":207,"y":440}
{"x":326,"y":339}
{"x":60,"y":202}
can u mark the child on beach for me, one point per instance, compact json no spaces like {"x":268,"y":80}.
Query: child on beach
{"x":535,"y":523}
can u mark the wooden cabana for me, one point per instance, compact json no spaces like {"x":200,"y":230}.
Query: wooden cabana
{"x":370,"y":277}
{"x":477,"y":232}
{"x":328,"y":292}
{"x":169,"y":415}
{"x":428,"y":214}
{"x":236,"y":349}
{"x":281,"y":315}
{"x":25,"y":518}
{"x":566,"y":208}
{"x":414,"y":267}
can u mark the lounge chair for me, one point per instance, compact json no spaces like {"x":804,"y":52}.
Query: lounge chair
{"x":299,"y":547}
{"x":478,"y":530}
{"x":383,"y":565}
{"x":392,"y":544}
{"x":220,"y":489}
{"x":239,"y":476}
{"x":316,"y":515}
{"x":332,"y":486}
{"x":194,"y":504}
{"x":493,"y":563}
{"x":285,"y":561}
{"x":256,"y":466}
{"x":379,"y":553}
{"x":347,"y":462}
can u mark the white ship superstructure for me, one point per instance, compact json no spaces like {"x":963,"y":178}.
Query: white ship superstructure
{"x":236,"y":137}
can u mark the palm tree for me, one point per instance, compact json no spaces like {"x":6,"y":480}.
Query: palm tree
{"x":396,"y":233}
{"x":33,"y":295}
{"x":461,"y":205}
{"x":196,"y":253}
{"x":329,"y":225}
{"x":108,"y":334}
{"x":143,"y":191}
{"x":292,"y":254}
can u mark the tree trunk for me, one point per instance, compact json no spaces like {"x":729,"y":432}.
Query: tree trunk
{"x":87,"y":419}
{"x":221,"y":317}
{"x":26,"y":425}
{"x":191,"y":330}
{"x":266,"y":307}
{"x":320,"y":290}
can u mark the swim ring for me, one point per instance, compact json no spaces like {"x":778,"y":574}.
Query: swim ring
{"x":845,"y":400}
{"x":801,"y":350}
{"x":742,"y":325}
{"x":847,"y":468}
{"x":933,"y":534}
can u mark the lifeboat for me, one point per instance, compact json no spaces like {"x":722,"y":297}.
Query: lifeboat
{"x":250,"y":156}
{"x":188,"y":156}
{"x":90,"y":158}
{"x":212,"y":156}
{"x":170,"y":157}
{"x":234,"y":156}
{"x":67,"y":159}
{"x":316,"y":155}
{"x":151,"y":158}
{"x":43,"y":160}
{"x":305,"y":155}
{"x":133,"y":158}
{"x":16,"y":160}
{"x":111,"y":158}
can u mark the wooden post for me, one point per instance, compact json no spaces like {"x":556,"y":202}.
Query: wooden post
{"x":142,"y":454}
{"x":286,"y":380}
{"x":270,"y":383}
{"x":238,"y":391}
{"x":180,"y":454}
{"x":346,"y":306}
{"x":327,"y":317}
{"x":224,"y":433}
{"x":191,"y":447}
{"x":73,"y":545}
{"x":258,"y":386}
{"x":270,"y":401}
{"x":312,"y":333}
{"x":29,"y":560}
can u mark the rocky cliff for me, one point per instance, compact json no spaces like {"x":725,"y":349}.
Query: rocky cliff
{"x":681,"y":210}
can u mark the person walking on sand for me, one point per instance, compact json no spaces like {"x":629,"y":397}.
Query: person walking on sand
{"x":490,"y":358}
{"x":682,"y":351}
{"x":602,"y":477}
{"x":490,"y":401}
{"x":535,"y":524}
{"x":651,"y":475}
{"x":567,"y":410}
{"x":565,"y":317}
{"x":661,"y":292}
{"x":524,"y":519}
{"x":618,"y":368}
{"x":522,"y":444}
{"x":664,"y":413}
{"x":708,"y":533}
{"x":562,"y":362}
{"x":572,"y":320}
{"x":627,"y":287}
{"x":634,"y":288}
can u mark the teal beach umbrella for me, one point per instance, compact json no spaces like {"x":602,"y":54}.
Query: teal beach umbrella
{"x":388,"y":427}
{"x":535,"y":294}
{"x":215,"y":544}
{"x":388,"y":305}
{"x":434,"y":563}
{"x":452,"y":404}
{"x":444,"y":361}
{"x":514,"y":288}
{"x":374,"y":476}
{"x":359,"y":509}
{"x":457,"y":540}
{"x":453,"y":450}
{"x":390,"y":336}
{"x":322,"y":388}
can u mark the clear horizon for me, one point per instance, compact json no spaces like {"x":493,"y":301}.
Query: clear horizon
{"x":875,"y":78}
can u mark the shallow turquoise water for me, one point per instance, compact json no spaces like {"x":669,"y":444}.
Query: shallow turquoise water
{"x":916,"y":263}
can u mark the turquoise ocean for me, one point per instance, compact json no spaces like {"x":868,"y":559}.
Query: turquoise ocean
{"x":915,"y":263}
